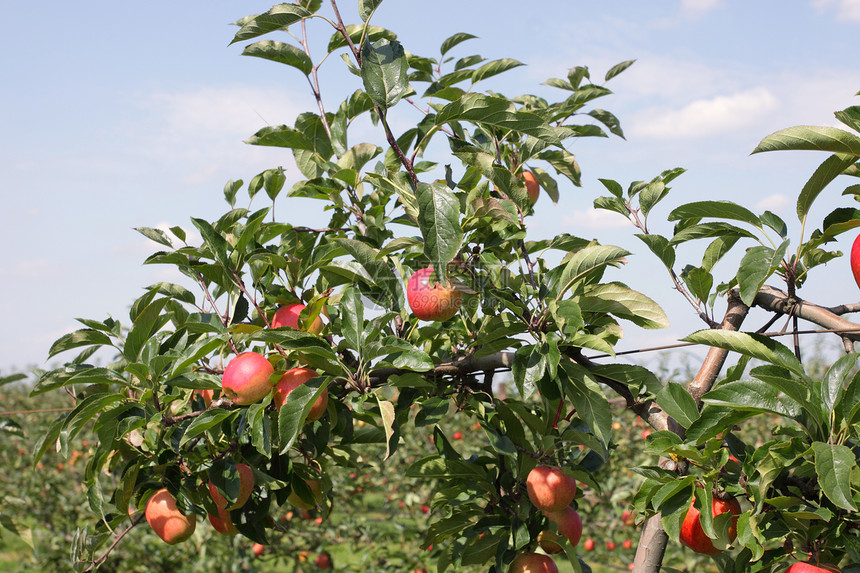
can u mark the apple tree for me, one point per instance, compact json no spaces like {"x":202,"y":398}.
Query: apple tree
{"x":173,"y":412}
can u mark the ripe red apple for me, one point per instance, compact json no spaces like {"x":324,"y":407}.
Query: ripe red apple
{"x":246,"y":378}
{"x":323,"y":560}
{"x":610,"y":545}
{"x":803,"y":567}
{"x":316,"y":490}
{"x":246,"y":486}
{"x":165,"y":519}
{"x":458,"y":435}
{"x":626,"y":544}
{"x":533,"y":563}
{"x":425,"y":509}
{"x":289,"y":316}
{"x":258,"y":549}
{"x":437,"y":302}
{"x":588,"y":544}
{"x":291,"y":380}
{"x":568,"y":522}
{"x":549,"y":488}
{"x":532,"y":186}
{"x":223,"y":524}
{"x":855,"y":260}
{"x":628,"y":518}
{"x":692,"y":534}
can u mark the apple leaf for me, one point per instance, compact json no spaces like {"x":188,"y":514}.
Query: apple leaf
{"x":811,"y":138}
{"x":623,"y":302}
{"x":678,"y":403}
{"x":833,"y":464}
{"x":757,"y":265}
{"x":825,"y":173}
{"x":718,"y":209}
{"x":452,"y":41}
{"x":386,"y":410}
{"x":439,"y":221}
{"x":277,"y":18}
{"x":591,"y":404}
{"x":753,"y":395}
{"x":384,"y":71}
{"x":281,"y":53}
{"x":589,"y":261}
{"x":205,"y":421}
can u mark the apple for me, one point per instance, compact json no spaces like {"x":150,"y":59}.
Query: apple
{"x":291,"y":380}
{"x":532,"y":186}
{"x":288,"y":316}
{"x":246,"y":378}
{"x":316,"y":490}
{"x":588,"y":544}
{"x":323,"y":560}
{"x":626,"y":544}
{"x":258,"y":549}
{"x":533,"y":563}
{"x":206,"y":395}
{"x":458,"y":435}
{"x":165,"y":519}
{"x":810,"y":568}
{"x":246,"y":486}
{"x":628,"y":518}
{"x":223,"y":524}
{"x":693,"y":536}
{"x":610,"y":545}
{"x":436,"y":302}
{"x":549,"y":488}
{"x":548,"y":541}
{"x":568,"y":522}
{"x":425,"y":509}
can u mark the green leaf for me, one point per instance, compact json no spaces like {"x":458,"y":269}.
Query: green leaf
{"x":366,"y":8}
{"x":717,"y":209}
{"x":588,"y":399}
{"x":752,"y":345}
{"x":156,"y":235}
{"x":281,"y":53}
{"x":498,"y":112}
{"x":752,"y":395}
{"x":757,"y":265}
{"x":623,"y":302}
{"x":617,"y":69}
{"x":678,"y":403}
{"x":824,"y":174}
{"x":609,"y":120}
{"x":660,"y":246}
{"x":146,"y":324}
{"x":278,"y":17}
{"x":834,"y":380}
{"x":586,"y":260}
{"x":217,"y":244}
{"x":493,"y":68}
{"x":205,"y":421}
{"x":377,"y":269}
{"x":452,"y":41}
{"x":834,"y":464}
{"x":82,"y":337}
{"x":384,"y":71}
{"x":439,"y":221}
{"x":352,"y":318}
{"x":811,"y":138}
{"x":699,"y":281}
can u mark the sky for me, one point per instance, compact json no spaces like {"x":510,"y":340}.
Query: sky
{"x":118,"y":115}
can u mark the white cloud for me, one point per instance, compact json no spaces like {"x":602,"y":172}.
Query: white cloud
{"x":696,"y":7}
{"x":845,"y":9}
{"x":705,"y":117}
{"x":596,"y":219}
{"x":773,"y":203}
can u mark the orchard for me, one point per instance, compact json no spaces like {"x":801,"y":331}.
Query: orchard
{"x":424,"y":340}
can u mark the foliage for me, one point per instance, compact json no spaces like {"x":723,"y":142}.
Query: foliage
{"x":404,"y":206}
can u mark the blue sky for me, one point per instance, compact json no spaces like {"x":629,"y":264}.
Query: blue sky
{"x":118,"y":115}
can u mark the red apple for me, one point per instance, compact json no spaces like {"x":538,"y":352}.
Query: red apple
{"x":223,"y":524}
{"x":165,"y":519}
{"x":568,"y":522}
{"x":425,"y":509}
{"x":627,"y":518}
{"x":549,"y":488}
{"x":458,"y":435}
{"x":532,"y":186}
{"x":533,"y":563}
{"x":206,"y":395}
{"x":291,"y":380}
{"x":246,"y":378}
{"x":610,"y":545}
{"x":437,"y":302}
{"x":588,"y":544}
{"x":323,"y":560}
{"x":692,"y":534}
{"x":810,"y":568}
{"x":258,"y":549}
{"x":855,"y":260}
{"x":289,"y":316}
{"x":548,"y":541}
{"x":626,"y":544}
{"x":246,"y":486}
